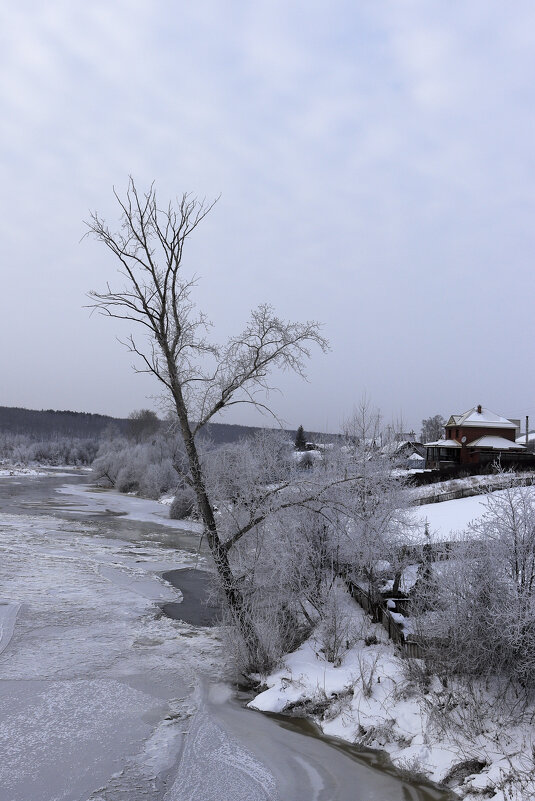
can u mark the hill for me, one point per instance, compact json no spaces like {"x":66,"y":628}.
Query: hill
{"x":52,"y":422}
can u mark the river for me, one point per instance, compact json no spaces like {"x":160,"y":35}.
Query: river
{"x":103,"y":697}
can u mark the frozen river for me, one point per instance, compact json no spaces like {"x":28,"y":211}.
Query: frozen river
{"x":104,"y":698}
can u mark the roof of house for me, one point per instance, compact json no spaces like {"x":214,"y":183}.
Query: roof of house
{"x":443,"y":443}
{"x":483,"y":419}
{"x":522,"y":439}
{"x":394,"y":446}
{"x":496,"y":443}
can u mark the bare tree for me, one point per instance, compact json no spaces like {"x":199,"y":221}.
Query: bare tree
{"x":379,"y":522}
{"x":200,"y":378}
{"x":142,"y":424}
{"x":509,"y":524}
{"x":432,"y":428}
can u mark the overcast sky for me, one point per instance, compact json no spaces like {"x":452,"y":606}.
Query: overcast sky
{"x":376,"y":168}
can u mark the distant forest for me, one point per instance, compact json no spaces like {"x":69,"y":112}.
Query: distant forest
{"x":52,"y":423}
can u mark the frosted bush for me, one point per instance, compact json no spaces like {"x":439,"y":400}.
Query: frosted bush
{"x":183,"y":505}
{"x":127,"y":480}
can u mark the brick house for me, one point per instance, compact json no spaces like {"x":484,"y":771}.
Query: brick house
{"x":478,"y":436}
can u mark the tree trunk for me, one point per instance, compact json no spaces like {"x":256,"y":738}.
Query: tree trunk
{"x":235,"y":600}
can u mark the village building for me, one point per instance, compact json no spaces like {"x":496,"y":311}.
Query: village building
{"x":476,"y":437}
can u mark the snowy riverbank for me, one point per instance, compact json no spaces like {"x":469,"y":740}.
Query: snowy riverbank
{"x":370,"y":699}
{"x":8,"y":471}
{"x":34,"y":470}
{"x":131,"y":507}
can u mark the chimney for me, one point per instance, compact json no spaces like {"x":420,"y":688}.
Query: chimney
{"x":479,"y":409}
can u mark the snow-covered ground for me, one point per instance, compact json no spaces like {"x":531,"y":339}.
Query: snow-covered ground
{"x":449,"y":520}
{"x":370,"y":700}
{"x":10,"y":470}
{"x":21,"y":471}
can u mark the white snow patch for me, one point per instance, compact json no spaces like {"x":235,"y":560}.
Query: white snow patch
{"x":129,"y":506}
{"x":450,"y":520}
{"x":28,"y":472}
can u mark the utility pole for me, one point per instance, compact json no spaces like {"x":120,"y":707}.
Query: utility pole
{"x":527,"y":430}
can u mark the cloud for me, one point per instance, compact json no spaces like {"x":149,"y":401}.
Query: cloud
{"x":376,"y":169}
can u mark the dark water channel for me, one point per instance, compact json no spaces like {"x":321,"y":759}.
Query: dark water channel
{"x":342,"y":763}
{"x":195,"y":607}
{"x":378,"y":761}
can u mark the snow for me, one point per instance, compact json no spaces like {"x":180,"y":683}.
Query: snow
{"x":499,"y":443}
{"x":444,"y":443}
{"x":166,"y":500}
{"x":449,"y":521}
{"x":370,"y":700}
{"x":485,"y":419}
{"x":20,"y":471}
{"x":408,"y":578}
{"x":9,"y":470}
{"x":474,"y":485}
{"x":131,"y":507}
{"x":306,"y":675}
{"x":522,"y":439}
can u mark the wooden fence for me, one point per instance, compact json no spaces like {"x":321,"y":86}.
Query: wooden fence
{"x":458,"y":489}
{"x":375,"y":607}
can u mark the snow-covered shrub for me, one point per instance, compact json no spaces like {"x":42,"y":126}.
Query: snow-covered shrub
{"x":55,"y":449}
{"x":278,"y":626}
{"x":377,"y":520}
{"x":127,"y":479}
{"x":335,"y":634}
{"x":303,"y":528}
{"x":367,"y":670}
{"x":105,"y":468}
{"x":378,"y":735}
{"x":476,"y":611}
{"x":412,"y":769}
{"x":150,"y":467}
{"x":157,"y":478}
{"x":183,"y":504}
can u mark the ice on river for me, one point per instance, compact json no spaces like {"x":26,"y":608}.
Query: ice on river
{"x":89,"y":668}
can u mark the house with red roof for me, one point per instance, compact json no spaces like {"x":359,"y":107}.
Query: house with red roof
{"x":478,"y":436}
